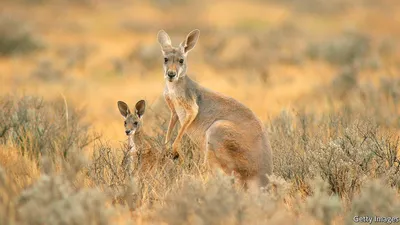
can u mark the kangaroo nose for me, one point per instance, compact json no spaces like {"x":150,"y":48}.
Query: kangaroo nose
{"x":127,"y":132}
{"x":171,"y":74}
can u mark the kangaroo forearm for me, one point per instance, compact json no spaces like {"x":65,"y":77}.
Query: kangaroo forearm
{"x":191,"y":114}
{"x":184,"y":127}
{"x":171,"y":126}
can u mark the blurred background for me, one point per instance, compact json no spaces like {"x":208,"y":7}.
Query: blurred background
{"x":296,"y":55}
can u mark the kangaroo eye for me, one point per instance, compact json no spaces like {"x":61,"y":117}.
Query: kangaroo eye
{"x":165,"y":60}
{"x":125,"y":123}
{"x":135,"y":123}
{"x":181,"y":61}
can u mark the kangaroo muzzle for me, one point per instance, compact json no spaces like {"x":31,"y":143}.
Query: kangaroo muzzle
{"x":171,"y":74}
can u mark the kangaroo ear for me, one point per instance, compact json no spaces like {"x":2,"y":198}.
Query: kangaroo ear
{"x":191,"y":40}
{"x":163,"y":39}
{"x":140,"y":108}
{"x":123,"y":109}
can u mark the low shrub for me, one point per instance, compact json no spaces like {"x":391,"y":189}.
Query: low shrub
{"x":37,"y":127}
{"x":16,"y":38}
{"x":346,"y":49}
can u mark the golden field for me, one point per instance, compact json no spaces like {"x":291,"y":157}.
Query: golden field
{"x":324,"y":76}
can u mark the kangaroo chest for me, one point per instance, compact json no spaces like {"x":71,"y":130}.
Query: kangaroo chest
{"x":179,"y":109}
{"x":183,"y":102}
{"x":132,"y":146}
{"x":180,"y":103}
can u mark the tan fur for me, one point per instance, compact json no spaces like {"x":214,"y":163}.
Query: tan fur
{"x":233,"y":138}
{"x":145,"y":155}
{"x":140,"y":152}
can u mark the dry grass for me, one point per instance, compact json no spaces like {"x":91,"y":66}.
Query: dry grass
{"x":322,"y":165}
{"x":323,"y":76}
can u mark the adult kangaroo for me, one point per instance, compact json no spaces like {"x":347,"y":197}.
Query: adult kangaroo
{"x":233,"y":138}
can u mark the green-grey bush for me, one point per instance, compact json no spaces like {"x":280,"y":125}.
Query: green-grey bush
{"x":376,"y":199}
{"x":344,"y":150}
{"x":346,"y":49}
{"x":16,"y":38}
{"x":39,"y":127}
